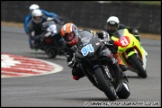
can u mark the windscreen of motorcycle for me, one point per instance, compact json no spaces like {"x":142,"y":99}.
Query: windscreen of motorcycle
{"x":89,"y":44}
{"x":51,"y":28}
{"x":119,"y":33}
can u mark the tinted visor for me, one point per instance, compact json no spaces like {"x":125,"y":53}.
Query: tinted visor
{"x":112,"y":23}
{"x":37,"y":18}
{"x":69,"y":36}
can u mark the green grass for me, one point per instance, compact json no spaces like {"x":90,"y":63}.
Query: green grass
{"x":148,"y":2}
{"x":140,"y":2}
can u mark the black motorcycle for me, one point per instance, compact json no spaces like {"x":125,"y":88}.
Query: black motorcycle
{"x":51,"y":40}
{"x":95,"y":59}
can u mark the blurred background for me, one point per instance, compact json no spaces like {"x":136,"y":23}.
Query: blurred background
{"x":143,"y":15}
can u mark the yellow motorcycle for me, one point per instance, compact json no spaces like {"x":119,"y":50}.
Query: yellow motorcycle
{"x":131,"y":52}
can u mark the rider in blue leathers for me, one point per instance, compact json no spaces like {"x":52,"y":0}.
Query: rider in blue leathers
{"x":35,"y":31}
{"x":48,"y":14}
{"x":28,"y":18}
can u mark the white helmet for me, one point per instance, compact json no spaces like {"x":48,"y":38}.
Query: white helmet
{"x":113,"y":20}
{"x":37,"y":16}
{"x":33,"y":6}
{"x":112,"y":24}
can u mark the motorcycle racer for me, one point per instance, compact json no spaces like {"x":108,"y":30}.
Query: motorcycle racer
{"x":48,"y":14}
{"x":71,"y":35}
{"x":35,"y":27}
{"x":113,"y":24}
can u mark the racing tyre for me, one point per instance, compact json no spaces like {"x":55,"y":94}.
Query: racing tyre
{"x":141,"y":72}
{"x":105,"y":84}
{"x":52,"y":52}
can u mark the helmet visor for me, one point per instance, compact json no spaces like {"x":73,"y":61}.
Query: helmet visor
{"x":69,"y":36}
{"x":37,"y":19}
{"x":112,"y":26}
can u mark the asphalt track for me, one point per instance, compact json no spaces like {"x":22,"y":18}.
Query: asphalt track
{"x":59,"y":89}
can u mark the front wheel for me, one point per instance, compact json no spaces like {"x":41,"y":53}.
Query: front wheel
{"x":141,"y":72}
{"x":105,"y":84}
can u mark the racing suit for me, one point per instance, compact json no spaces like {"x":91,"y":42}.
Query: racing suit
{"x":35,"y":32}
{"x":48,"y":14}
{"x":131,"y":30}
{"x":76,"y":70}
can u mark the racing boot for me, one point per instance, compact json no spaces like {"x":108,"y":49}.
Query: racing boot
{"x":34,"y":45}
{"x":138,"y":38}
{"x":136,"y":35}
{"x":121,"y":64}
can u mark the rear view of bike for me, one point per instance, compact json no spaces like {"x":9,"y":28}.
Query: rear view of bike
{"x":52,"y":42}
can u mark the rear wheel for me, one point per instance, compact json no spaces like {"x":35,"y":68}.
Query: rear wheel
{"x":52,"y":52}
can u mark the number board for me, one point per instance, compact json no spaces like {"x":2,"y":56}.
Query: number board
{"x":86,"y":49}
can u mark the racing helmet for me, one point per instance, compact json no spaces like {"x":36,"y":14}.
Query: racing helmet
{"x":69,"y":32}
{"x":33,"y":7}
{"x":112,"y":24}
{"x":37,"y":16}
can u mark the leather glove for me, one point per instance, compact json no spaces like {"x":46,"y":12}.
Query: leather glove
{"x":105,"y":34}
{"x":111,"y":42}
{"x":72,"y":62}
